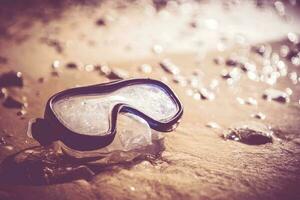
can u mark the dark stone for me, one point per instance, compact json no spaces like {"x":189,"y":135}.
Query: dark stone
{"x":11,"y":78}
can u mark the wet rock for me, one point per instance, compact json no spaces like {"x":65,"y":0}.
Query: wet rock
{"x":250,"y":133}
{"x":276,"y":95}
{"x":11,"y":78}
{"x":10,"y":102}
{"x":169,"y":67}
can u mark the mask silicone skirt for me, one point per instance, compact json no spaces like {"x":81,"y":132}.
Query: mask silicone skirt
{"x":85,"y":118}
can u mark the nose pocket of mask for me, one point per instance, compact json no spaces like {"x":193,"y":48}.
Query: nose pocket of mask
{"x":86,"y":117}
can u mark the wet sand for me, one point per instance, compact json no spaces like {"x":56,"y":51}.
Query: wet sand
{"x":197,"y":163}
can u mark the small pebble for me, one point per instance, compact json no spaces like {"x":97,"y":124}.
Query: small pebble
{"x":145,"y":68}
{"x":251,"y":101}
{"x":276,"y":95}
{"x":118,"y":73}
{"x":206,"y":94}
{"x":72,"y":65}
{"x":100,"y":22}
{"x":169,"y":67}
{"x":213,"y":125}
{"x":259,"y":116}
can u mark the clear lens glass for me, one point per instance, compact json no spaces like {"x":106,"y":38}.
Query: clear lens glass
{"x":90,"y":114}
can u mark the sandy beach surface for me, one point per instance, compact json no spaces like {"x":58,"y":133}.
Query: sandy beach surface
{"x":238,"y":64}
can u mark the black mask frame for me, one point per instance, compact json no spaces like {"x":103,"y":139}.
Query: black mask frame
{"x":83,"y":142}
